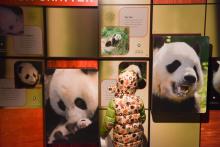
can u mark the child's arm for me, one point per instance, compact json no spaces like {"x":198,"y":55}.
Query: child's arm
{"x":109,"y":120}
{"x":142,"y":113}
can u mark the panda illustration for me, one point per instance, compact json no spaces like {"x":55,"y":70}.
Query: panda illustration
{"x":114,"y":40}
{"x":26,"y":75}
{"x":13,"y":22}
{"x":177,"y":76}
{"x":71,"y":109}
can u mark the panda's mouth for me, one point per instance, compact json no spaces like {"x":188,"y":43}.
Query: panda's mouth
{"x":181,"y":90}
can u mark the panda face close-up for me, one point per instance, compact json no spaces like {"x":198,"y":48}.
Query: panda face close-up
{"x":73,"y":93}
{"x":28,"y":74}
{"x":177,"y":71}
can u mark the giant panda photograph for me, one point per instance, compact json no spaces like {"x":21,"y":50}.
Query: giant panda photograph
{"x":214,"y":95}
{"x":114,"y":40}
{"x":27,"y":74}
{"x":71,"y":105}
{"x":180,"y":71}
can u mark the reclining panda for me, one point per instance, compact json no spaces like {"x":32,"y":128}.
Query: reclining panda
{"x":71,"y":109}
{"x":177,"y":76}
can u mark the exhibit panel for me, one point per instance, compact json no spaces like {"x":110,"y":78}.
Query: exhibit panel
{"x":89,"y":73}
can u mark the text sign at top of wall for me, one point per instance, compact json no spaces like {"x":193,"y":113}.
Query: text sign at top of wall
{"x":51,"y":2}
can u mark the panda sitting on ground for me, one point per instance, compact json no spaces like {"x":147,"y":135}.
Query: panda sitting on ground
{"x":177,"y":76}
{"x":71,"y":109}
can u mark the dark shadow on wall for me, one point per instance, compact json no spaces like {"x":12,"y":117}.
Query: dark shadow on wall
{"x":218,"y":28}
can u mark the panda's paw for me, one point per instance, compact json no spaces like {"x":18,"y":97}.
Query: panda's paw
{"x":83,"y":123}
{"x":71,"y":127}
{"x":58,"y":134}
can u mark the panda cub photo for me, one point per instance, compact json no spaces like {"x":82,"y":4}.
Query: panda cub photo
{"x":27,"y":74}
{"x":178,"y":75}
{"x":71,"y":106}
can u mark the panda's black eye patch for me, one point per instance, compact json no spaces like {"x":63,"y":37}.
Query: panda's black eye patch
{"x":172,"y":67}
{"x":27,"y":76}
{"x":79,"y":102}
{"x":195,"y":69}
{"x":215,"y":66}
{"x":61,"y":105}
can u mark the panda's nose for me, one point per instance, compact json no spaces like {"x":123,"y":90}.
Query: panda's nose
{"x":190,"y":79}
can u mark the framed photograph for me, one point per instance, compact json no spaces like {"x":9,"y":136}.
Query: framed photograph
{"x":21,"y":83}
{"x":71,"y":99}
{"x":21,"y":31}
{"x":125,"y":30}
{"x":180,"y":74}
{"x":115,"y":40}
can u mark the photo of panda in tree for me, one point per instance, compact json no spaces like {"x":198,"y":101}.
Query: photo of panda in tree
{"x":180,"y":74}
{"x":114,"y":40}
{"x":28,"y":74}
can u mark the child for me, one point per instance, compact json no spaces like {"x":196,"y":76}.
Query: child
{"x":125,"y":113}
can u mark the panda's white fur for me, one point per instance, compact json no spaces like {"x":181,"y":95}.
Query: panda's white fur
{"x":216,"y":79}
{"x":168,"y":85}
{"x":27,"y":73}
{"x":67,"y":85}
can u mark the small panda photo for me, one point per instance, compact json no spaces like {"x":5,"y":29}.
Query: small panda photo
{"x":180,"y":73}
{"x":214,"y":96}
{"x":13,"y":22}
{"x":27,"y":74}
{"x":114,"y":40}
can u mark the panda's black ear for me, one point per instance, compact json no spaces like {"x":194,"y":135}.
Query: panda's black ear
{"x":141,"y":84}
{"x":89,"y":71}
{"x":20,"y":69}
{"x":123,"y":65}
{"x":196,"y":47}
{"x":158,"y":41}
{"x":108,"y":43}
